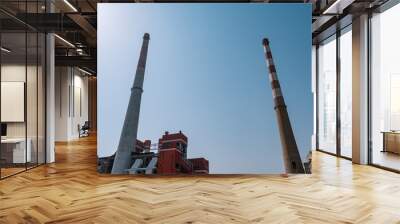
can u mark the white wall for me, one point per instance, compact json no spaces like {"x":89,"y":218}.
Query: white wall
{"x":71,"y":102}
{"x":80,"y":112}
{"x":33,"y":127}
{"x":12,"y":73}
{"x":61,"y":103}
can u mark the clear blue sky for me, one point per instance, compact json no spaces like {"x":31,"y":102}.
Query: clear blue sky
{"x":206,"y":75}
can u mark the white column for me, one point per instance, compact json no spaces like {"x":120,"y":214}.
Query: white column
{"x":63,"y":102}
{"x":50,"y":99}
{"x":360,"y":90}
{"x":50,"y":92}
{"x":314,"y":94}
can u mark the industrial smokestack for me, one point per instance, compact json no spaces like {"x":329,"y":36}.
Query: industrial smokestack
{"x":291,"y":156}
{"x":127,"y":141}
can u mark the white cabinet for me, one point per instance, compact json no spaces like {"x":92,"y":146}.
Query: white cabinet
{"x":19,"y":154}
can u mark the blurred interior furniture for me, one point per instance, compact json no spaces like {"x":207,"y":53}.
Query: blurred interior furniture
{"x":3,"y":130}
{"x":84,"y":130}
{"x":391,"y":141}
{"x":13,"y":151}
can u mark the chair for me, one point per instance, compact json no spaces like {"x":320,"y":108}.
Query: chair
{"x":84,"y":130}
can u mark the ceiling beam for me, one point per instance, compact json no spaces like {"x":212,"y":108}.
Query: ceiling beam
{"x":85,"y":25}
{"x":338,"y":6}
{"x":81,"y":61}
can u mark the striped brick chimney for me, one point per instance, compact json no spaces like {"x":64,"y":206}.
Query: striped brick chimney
{"x":291,"y":155}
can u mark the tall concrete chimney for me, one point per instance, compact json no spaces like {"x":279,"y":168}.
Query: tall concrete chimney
{"x":291,"y":156}
{"x":127,"y":141}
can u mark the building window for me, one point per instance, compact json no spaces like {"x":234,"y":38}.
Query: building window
{"x":385,"y":89}
{"x":327,"y":95}
{"x":22,"y":102}
{"x":346,"y":92}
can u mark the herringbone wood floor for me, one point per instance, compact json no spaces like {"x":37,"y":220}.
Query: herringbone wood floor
{"x":71,"y":191}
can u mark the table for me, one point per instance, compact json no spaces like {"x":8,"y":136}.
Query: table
{"x":391,"y":141}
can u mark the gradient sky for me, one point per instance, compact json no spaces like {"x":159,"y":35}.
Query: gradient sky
{"x":206,"y":75}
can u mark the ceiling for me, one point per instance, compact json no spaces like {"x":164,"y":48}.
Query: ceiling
{"x":75,"y":21}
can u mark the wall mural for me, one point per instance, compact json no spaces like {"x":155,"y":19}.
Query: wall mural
{"x":186,"y":89}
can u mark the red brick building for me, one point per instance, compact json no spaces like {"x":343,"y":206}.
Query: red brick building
{"x":200,"y":165}
{"x":142,"y":146}
{"x":172,"y":156}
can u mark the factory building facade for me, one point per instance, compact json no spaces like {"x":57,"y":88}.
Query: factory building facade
{"x":168,"y":156}
{"x":172,"y":156}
